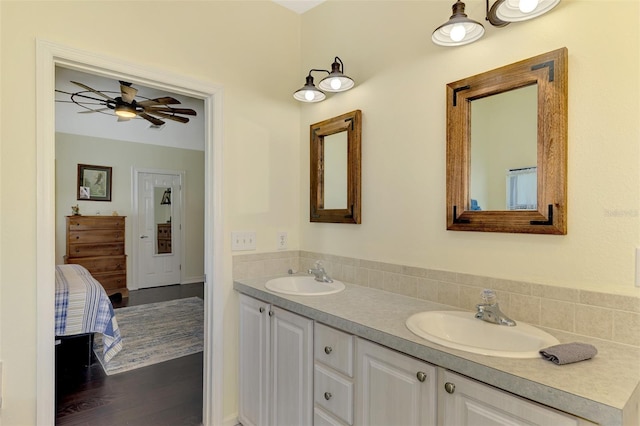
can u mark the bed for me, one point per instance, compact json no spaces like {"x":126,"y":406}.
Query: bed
{"x":83,"y":307}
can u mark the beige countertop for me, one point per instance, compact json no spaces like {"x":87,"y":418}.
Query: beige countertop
{"x":605,"y":389}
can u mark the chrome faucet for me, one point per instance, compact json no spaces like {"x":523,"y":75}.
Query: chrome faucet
{"x":320,"y":273}
{"x":490,"y":310}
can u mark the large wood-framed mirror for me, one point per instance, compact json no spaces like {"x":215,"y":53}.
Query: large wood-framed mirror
{"x":507,"y":148}
{"x":335,"y":169}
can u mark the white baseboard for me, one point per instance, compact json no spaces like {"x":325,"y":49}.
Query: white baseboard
{"x":193,"y":280}
{"x":231,"y":420}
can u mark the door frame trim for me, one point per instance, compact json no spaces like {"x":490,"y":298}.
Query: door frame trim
{"x":48,"y":56}
{"x":135,"y":241}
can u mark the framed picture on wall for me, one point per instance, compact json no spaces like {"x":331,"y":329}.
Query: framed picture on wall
{"x":94,"y":183}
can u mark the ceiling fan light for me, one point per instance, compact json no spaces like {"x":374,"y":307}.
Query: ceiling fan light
{"x":458,"y":30}
{"x":521,"y":10}
{"x":309,"y":92}
{"x":125,"y":111}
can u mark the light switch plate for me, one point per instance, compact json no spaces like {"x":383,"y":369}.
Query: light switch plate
{"x":243,"y":240}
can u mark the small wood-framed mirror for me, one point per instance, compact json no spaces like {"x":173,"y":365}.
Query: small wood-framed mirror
{"x":532,"y":187}
{"x":335,"y":169}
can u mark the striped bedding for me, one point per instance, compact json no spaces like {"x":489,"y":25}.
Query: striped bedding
{"x":82,"y":306}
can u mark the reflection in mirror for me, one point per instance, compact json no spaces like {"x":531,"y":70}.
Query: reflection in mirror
{"x":335,"y":171}
{"x":334,"y":184}
{"x":504,"y":133}
{"x":514,"y":181}
{"x":162,"y":219}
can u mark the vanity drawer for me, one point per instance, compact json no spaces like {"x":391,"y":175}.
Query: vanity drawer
{"x":334,"y":348}
{"x":321,"y":418}
{"x":333,"y":393}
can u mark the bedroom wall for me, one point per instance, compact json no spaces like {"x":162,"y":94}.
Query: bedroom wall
{"x":72,"y":150}
{"x":250,"y":48}
{"x":401,"y":77}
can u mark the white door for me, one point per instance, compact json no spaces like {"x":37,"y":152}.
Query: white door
{"x":393,"y":388}
{"x":159,"y":229}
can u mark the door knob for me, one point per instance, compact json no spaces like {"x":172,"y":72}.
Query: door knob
{"x":449,"y":387}
{"x":327,"y":395}
{"x":261,"y":309}
{"x":328,"y":350}
{"x":422,"y":376}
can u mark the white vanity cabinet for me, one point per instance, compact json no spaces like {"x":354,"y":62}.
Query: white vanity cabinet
{"x":276,"y":358}
{"x":333,"y":377}
{"x":466,"y":402}
{"x":393,"y":388}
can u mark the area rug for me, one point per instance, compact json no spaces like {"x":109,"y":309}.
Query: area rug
{"x":155,"y":333}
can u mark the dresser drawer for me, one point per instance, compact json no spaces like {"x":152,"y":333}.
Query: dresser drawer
{"x":321,"y":418}
{"x":112,"y":281}
{"x":96,"y":236}
{"x":97,"y":249}
{"x":80,"y":223}
{"x":334,"y":348}
{"x":334,"y":393}
{"x":96,"y":265}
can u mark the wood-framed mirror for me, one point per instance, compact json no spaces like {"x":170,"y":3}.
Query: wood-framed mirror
{"x":487,"y":118}
{"x":335,"y":169}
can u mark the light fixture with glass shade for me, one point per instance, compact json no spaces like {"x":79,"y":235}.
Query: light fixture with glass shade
{"x":460,"y":30}
{"x":335,"y":81}
{"x":309,"y":92}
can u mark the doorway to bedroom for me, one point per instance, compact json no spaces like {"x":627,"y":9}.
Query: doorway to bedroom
{"x":50,"y":56}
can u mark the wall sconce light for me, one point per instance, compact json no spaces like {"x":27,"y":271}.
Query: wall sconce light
{"x":459,"y":29}
{"x":335,"y":81}
{"x":166,"y":198}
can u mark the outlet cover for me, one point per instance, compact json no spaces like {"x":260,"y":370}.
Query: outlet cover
{"x":282,"y":242}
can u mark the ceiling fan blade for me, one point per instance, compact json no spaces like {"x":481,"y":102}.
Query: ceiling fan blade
{"x":170,"y":117}
{"x":167,"y":100}
{"x":84,"y":86}
{"x":128,"y":93}
{"x":153,"y":120}
{"x":169,"y":110}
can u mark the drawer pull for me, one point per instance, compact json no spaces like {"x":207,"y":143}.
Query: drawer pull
{"x":327,"y":395}
{"x":328,"y":350}
{"x":422,"y":376}
{"x":449,"y":387}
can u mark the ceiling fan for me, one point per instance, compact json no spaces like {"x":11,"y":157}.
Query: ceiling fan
{"x":127,"y":107}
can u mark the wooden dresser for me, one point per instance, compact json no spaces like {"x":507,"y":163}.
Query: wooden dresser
{"x":97,"y":243}
{"x":164,"y":238}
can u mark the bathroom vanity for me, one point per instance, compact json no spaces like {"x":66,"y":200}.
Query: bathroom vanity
{"x":356,"y":363}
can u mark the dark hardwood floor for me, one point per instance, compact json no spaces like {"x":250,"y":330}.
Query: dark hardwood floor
{"x":165,"y":394}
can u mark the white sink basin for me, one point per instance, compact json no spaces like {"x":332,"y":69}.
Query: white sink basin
{"x":461,"y":330}
{"x":303,"y":286}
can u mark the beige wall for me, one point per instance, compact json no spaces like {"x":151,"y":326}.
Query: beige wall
{"x":251,"y":49}
{"x":123,"y":157}
{"x":401,"y":77}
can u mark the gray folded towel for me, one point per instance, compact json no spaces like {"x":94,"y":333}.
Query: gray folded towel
{"x":566,"y":353}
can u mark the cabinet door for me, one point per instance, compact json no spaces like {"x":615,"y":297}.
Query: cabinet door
{"x":392,"y":388}
{"x":292,"y":374}
{"x":254,"y":362}
{"x":466,"y":402}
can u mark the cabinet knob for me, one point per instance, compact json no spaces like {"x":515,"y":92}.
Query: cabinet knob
{"x":261,"y":309}
{"x":449,"y":387}
{"x":271,"y":313}
{"x":327,"y":395}
{"x":328,"y":350}
{"x":422,"y":376}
